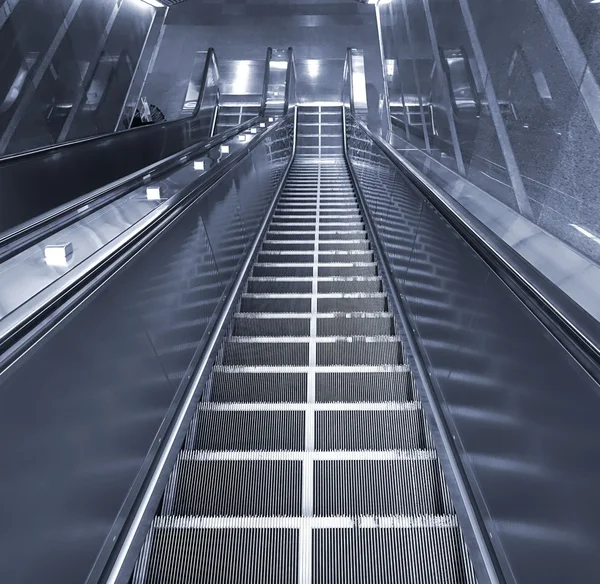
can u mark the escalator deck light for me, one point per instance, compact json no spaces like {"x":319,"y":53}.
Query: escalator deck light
{"x":153,"y":193}
{"x":58,"y":254}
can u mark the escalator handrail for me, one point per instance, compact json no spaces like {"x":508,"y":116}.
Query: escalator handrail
{"x":348,"y":79}
{"x":29,"y":172}
{"x":573,"y":327}
{"x":53,"y":148}
{"x":483,"y":554}
{"x":290,"y":74}
{"x":121,"y":555}
{"x":42,"y":310}
{"x":265,"y":89}
{"x":30,"y":233}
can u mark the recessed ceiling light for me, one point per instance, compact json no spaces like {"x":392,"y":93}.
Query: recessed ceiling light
{"x":155,"y":3}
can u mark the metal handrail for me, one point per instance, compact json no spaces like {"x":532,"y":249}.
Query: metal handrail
{"x":575,"y":329}
{"x":27,"y":234}
{"x":15,"y":324}
{"x":290,"y":77}
{"x":473,"y":519}
{"x":138,"y":516}
{"x":265,"y":90}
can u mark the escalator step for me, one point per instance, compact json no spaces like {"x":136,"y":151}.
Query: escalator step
{"x":356,"y":245}
{"x":378,"y":487}
{"x":245,"y":387}
{"x":273,"y":271}
{"x":225,"y":488}
{"x":219,"y":429}
{"x":271,"y":327}
{"x":252,"y":353}
{"x":273,"y":235}
{"x":355,"y":386}
{"x":419,"y":555}
{"x":369,"y":303}
{"x":343,"y":234}
{"x":334,"y":257}
{"x":288,"y":246}
{"x":359,"y":351}
{"x":285,"y":258}
{"x":370,"y":430}
{"x":274,"y":304}
{"x":349,"y":285}
{"x":348,"y":270}
{"x":351,"y":325}
{"x":256,"y":286}
{"x":178,"y":555}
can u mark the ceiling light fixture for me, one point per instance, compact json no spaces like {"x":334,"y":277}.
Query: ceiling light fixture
{"x":381,"y":2}
{"x":313,"y":66}
{"x":155,"y":3}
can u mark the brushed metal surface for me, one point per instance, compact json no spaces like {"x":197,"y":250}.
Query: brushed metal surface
{"x":523,"y":413}
{"x":82,"y":409}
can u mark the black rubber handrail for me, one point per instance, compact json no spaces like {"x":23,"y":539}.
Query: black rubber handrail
{"x":265,"y":89}
{"x":20,"y":329}
{"x":290,"y":78}
{"x":30,"y":233}
{"x":36,"y":182}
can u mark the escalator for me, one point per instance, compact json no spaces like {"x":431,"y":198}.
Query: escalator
{"x":233,"y":115}
{"x":304,"y":370}
{"x":309,"y":458}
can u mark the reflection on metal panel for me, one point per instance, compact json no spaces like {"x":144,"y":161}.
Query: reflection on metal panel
{"x":242,"y":80}
{"x":465,"y":100}
{"x":276,"y":82}
{"x":319,"y":80}
{"x":85,"y":51}
{"x":99,"y":160}
{"x":359,"y":83}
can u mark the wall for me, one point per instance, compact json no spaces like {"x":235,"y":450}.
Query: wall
{"x":318,"y":31}
{"x":515,"y":106}
{"x":66,"y":67}
{"x":522,"y":413}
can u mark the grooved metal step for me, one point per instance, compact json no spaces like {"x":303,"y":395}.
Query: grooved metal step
{"x":214,"y":487}
{"x":246,"y":430}
{"x":356,"y":325}
{"x":428,"y":554}
{"x":309,"y":458}
{"x":362,"y":487}
{"x":245,"y":386}
{"x":177,"y":554}
{"x":271,"y":327}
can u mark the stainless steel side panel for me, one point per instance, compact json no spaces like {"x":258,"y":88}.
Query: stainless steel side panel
{"x":81,"y":412}
{"x":524,"y":415}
